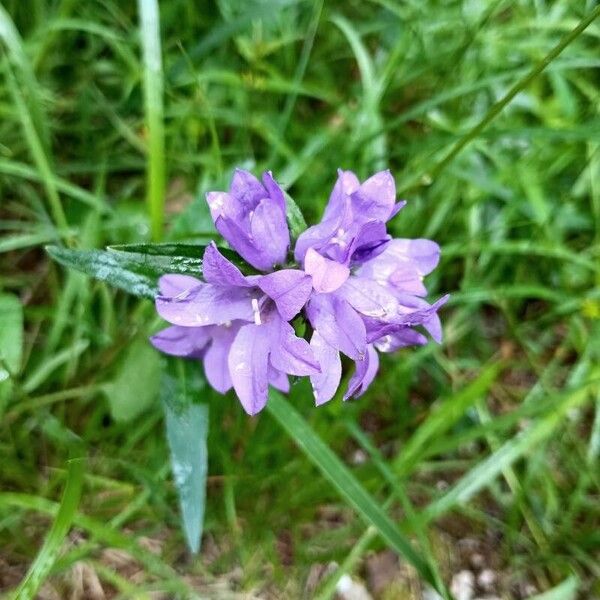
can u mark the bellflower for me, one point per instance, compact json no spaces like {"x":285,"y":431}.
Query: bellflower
{"x":252,"y":218}
{"x":376,"y":304}
{"x":360,"y":291}
{"x":238,"y":325}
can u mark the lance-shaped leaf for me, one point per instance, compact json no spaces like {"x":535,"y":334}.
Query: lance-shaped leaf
{"x":187,"y":429}
{"x":115,"y":268}
{"x":135,"y":268}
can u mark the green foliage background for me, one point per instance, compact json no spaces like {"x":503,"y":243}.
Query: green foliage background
{"x":494,"y":435}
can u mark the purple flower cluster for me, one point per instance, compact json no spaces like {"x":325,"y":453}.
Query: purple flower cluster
{"x":359,"y":290}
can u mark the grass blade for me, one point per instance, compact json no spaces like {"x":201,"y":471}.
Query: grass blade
{"x":519,"y":86}
{"x":487,"y":470}
{"x":567,"y":590}
{"x":50,"y":550}
{"x":442,"y":419}
{"x":153,"y":96}
{"x":344,"y":482}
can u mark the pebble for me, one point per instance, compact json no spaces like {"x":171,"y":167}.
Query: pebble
{"x":463,"y":585}
{"x":486,"y":579}
{"x":349,"y":589}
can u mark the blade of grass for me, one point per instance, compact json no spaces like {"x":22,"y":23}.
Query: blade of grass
{"x":37,"y":151}
{"x":499,"y":106}
{"x":344,"y":482}
{"x":397,"y":486}
{"x":567,"y":590}
{"x":16,"y":53}
{"x":443,"y":418}
{"x":153,"y":97}
{"x":50,"y":550}
{"x":100,"y":532}
{"x":487,"y":470}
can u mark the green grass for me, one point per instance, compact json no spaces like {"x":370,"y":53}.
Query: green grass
{"x":493,"y":436}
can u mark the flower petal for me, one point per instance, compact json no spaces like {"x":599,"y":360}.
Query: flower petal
{"x":347,"y":182}
{"x":270,"y":231}
{"x":240,"y":240}
{"x":369,"y":297}
{"x":370,"y":241}
{"x":325,"y":383}
{"x":327,"y":275}
{"x":279,"y":380}
{"x":315,"y":237}
{"x":338,"y":324}
{"x":207,"y":304}
{"x":217,"y":270}
{"x":246,"y":189}
{"x":424,"y":254}
{"x":289,"y":289}
{"x":182,"y":341}
{"x":402,"y":337}
{"x":289,"y":353}
{"x":376,"y":197}
{"x":366,"y":370}
{"x":216,"y":366}
{"x":273,"y":189}
{"x":248,"y":363}
{"x":173,"y":285}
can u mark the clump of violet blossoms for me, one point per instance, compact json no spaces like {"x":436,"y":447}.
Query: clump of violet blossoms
{"x":360,"y":291}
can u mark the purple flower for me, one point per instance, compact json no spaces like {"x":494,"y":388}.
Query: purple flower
{"x":353,"y":226}
{"x":360,"y":290}
{"x":238,"y":326}
{"x":252,"y":219}
{"x":366,"y":297}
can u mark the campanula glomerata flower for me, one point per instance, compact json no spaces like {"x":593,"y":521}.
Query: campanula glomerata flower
{"x":252,"y":218}
{"x":238,"y":325}
{"x":359,"y":291}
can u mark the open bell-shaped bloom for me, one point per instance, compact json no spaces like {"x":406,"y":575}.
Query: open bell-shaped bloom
{"x":238,"y":326}
{"x":252,"y":219}
{"x":353,"y":226}
{"x":367,"y":287}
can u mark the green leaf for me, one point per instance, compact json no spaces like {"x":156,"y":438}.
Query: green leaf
{"x":295,"y":218}
{"x":135,"y":269}
{"x":114,"y":268}
{"x":345,"y":483}
{"x":187,"y":258}
{"x":187,"y":430}
{"x":49,"y":552}
{"x":136,"y":385}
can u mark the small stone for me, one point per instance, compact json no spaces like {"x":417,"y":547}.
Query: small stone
{"x":359,"y":457}
{"x":486,"y":579}
{"x":463,"y":585}
{"x":349,"y":589}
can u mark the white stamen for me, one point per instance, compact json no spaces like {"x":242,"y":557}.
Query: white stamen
{"x":338,"y":238}
{"x":257,"y":320}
